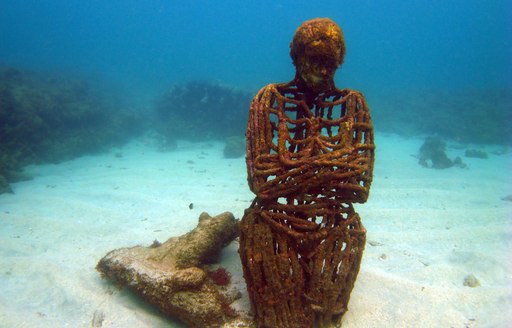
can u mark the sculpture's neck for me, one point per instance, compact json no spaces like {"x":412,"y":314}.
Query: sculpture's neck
{"x":310,"y":93}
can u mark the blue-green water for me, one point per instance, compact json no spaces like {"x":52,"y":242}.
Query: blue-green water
{"x":441,"y":68}
{"x":146,"y":45}
{"x":418,"y":62}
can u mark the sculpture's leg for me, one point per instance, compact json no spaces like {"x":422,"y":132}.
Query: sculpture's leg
{"x":297,"y":282}
{"x":333,"y":271}
{"x":274,"y":277}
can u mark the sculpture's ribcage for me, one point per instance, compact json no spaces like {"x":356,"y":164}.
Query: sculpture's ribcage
{"x":327,"y":151}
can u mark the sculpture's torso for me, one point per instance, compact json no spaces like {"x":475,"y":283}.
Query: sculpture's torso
{"x":298,"y":145}
{"x":308,"y":160}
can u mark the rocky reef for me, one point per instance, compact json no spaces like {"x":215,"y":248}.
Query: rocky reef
{"x":174,"y":275}
{"x":465,"y":115}
{"x":201,"y":110}
{"x":50,"y":117}
{"x":432,"y":154}
{"x":234,"y":147}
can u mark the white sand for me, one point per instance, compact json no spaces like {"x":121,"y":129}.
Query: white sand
{"x":430,"y":229}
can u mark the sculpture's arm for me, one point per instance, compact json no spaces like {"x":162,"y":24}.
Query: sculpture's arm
{"x":259,"y":139}
{"x":361,"y":158}
{"x":344,"y":166}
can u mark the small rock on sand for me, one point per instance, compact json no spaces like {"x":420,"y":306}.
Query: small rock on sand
{"x":471,"y":281}
{"x":97,"y":318}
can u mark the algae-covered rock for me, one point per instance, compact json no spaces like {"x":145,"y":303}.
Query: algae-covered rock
{"x":234,"y":147}
{"x":4,"y":186}
{"x":476,"y":153}
{"x":50,"y":117}
{"x":471,"y":281}
{"x":172,"y":275}
{"x":433,"y":154}
{"x":200,"y":110}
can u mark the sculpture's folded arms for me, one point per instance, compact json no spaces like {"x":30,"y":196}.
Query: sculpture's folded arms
{"x":328,"y":150}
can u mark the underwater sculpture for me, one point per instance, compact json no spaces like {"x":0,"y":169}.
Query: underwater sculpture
{"x":310,"y":155}
{"x":173,"y":275}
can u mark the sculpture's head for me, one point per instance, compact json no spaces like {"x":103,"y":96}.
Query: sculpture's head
{"x":317,"y":50}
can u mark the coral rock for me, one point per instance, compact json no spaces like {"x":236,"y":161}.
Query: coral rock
{"x":171,"y":276}
{"x":471,"y":281}
{"x":234,"y":147}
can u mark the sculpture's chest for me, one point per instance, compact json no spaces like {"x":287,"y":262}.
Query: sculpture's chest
{"x":316,"y":131}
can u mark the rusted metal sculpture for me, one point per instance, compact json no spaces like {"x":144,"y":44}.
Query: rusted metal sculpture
{"x":310,"y":155}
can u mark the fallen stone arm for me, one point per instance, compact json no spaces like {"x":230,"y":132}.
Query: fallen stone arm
{"x":171,"y":275}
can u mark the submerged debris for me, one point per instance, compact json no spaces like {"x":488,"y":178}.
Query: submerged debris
{"x":173,"y":276}
{"x":97,"y":318}
{"x":507,"y":198}
{"x":471,"y":281}
{"x":432,"y":154}
{"x":155,"y":244}
{"x":475,"y":153}
{"x":375,"y":243}
{"x":234,"y":147}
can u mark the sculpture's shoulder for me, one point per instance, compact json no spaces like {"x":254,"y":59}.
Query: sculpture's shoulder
{"x":268,"y":99}
{"x":355,"y":97}
{"x":268,"y":92}
{"x":355,"y":94}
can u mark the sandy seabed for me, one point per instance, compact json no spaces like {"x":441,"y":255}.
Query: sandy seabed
{"x":427,"y":230}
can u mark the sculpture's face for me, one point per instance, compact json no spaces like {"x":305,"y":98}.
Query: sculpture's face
{"x":317,"y":74}
{"x":317,"y":51}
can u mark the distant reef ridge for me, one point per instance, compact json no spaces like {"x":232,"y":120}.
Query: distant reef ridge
{"x":48,"y":118}
{"x":52,"y":117}
{"x":201,"y":110}
{"x":463,"y":114}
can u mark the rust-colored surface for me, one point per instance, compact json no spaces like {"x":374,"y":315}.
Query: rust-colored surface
{"x":310,"y":155}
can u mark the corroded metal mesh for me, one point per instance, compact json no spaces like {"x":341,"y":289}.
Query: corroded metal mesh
{"x":308,"y":159}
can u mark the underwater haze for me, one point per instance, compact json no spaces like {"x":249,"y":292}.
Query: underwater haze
{"x":148,"y":45}
{"x":446,"y":53}
{"x":121,"y":121}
